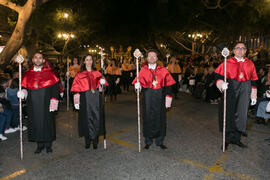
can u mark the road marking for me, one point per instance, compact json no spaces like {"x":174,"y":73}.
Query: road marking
{"x":215,"y":168}
{"x":121,"y":131}
{"x":123,"y":143}
{"x":13,"y":175}
{"x":38,"y":165}
{"x":209,"y":176}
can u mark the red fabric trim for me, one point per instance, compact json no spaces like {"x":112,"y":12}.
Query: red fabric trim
{"x":85,"y":81}
{"x":39,"y":79}
{"x":168,"y":96}
{"x":234,"y":69}
{"x":163,"y":77}
{"x":54,"y":99}
{"x":253,"y":87}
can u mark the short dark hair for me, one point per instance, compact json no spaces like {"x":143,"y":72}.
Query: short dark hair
{"x":152,"y":50}
{"x":239,"y":42}
{"x":83,"y":67}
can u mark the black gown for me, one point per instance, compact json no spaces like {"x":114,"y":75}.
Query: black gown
{"x":41,"y":122}
{"x":91,"y":115}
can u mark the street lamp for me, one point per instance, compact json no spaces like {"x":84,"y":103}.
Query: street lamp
{"x":66,"y":37}
{"x":66,"y":15}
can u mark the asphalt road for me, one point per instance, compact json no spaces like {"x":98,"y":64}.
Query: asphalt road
{"x":193,"y":140}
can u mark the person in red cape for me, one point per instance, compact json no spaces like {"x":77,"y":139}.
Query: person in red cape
{"x":241,"y":89}
{"x":155,"y":82}
{"x":41,"y":93}
{"x":86,"y":85}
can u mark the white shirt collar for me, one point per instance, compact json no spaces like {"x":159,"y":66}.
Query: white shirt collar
{"x":152,"y":66}
{"x":240,"y":59}
{"x":37,"y":69}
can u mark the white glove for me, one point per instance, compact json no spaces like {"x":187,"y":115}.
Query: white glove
{"x":102,"y":81}
{"x":117,"y":81}
{"x":253,"y":102}
{"x":22,"y":94}
{"x":67,"y":74}
{"x":224,"y":86}
{"x":62,"y":94}
{"x":77,"y":106}
{"x":267,"y":93}
{"x":137,"y":86}
{"x":168,"y":102}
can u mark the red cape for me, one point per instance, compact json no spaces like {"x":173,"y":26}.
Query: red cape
{"x":39,"y":79}
{"x":86,"y":80}
{"x":234,"y":70}
{"x":146,"y":79}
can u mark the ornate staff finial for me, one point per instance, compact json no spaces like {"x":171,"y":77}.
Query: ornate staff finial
{"x":225,"y":52}
{"x":19,"y":59}
{"x":137,"y":53}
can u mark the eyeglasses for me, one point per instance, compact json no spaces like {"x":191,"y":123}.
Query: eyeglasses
{"x":240,"y":48}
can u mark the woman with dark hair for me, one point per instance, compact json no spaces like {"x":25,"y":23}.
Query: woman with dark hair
{"x":113,"y":73}
{"x":86,"y":86}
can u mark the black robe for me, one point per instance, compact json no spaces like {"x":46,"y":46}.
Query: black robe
{"x":153,"y":100}
{"x":154,"y":112}
{"x":91,"y":122}
{"x":41,"y":122}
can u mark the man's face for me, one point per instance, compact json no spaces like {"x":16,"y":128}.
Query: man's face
{"x":152,"y":58}
{"x":240,"y":50}
{"x":38,"y":60}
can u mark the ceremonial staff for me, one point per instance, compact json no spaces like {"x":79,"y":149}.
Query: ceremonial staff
{"x":167,"y":56}
{"x":103,"y":97}
{"x":225,"y":52}
{"x":137,"y":55}
{"x":19,"y":60}
{"x":68,"y":84}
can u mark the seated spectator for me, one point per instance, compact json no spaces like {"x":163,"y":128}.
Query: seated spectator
{"x":5,"y":115}
{"x":263,"y":99}
{"x":14,"y":101}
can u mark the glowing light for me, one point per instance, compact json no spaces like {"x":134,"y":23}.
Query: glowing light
{"x":66,"y":15}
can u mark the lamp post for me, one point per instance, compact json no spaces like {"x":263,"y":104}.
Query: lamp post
{"x":66,"y":37}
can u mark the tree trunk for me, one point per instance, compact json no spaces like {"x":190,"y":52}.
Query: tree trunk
{"x":16,"y":39}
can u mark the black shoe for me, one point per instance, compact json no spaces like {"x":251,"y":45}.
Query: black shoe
{"x":49,"y":150}
{"x":95,"y":146}
{"x":87,"y":146}
{"x":240,"y":144}
{"x":39,"y":150}
{"x":146,"y":146}
{"x":162,"y":146}
{"x":244,"y":134}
